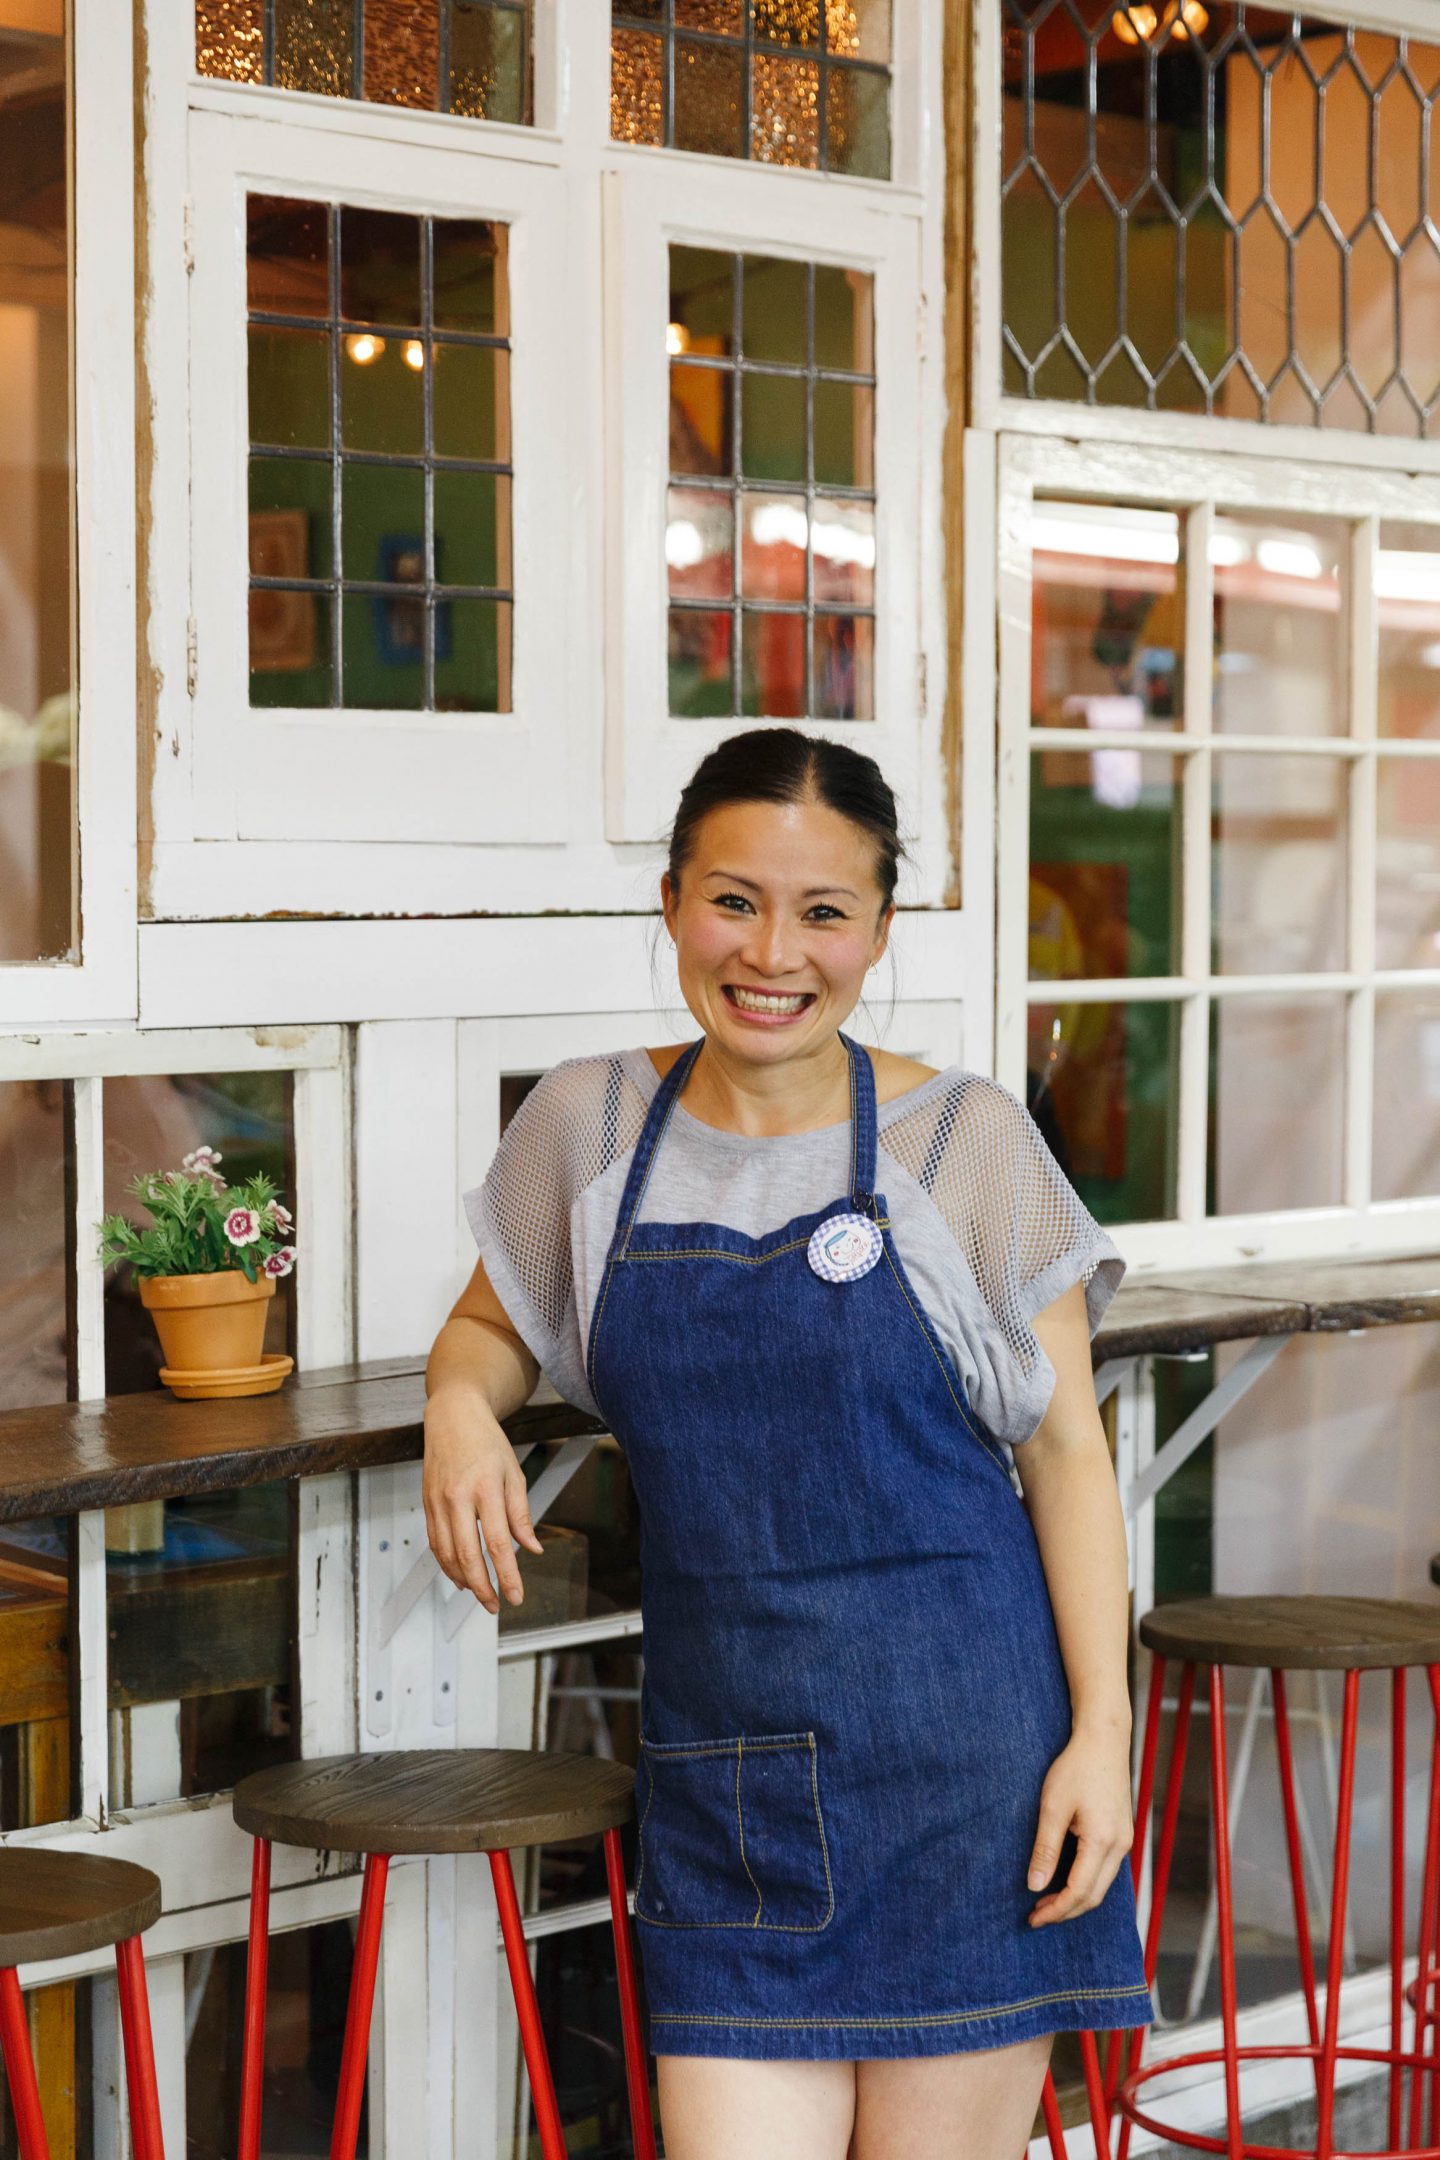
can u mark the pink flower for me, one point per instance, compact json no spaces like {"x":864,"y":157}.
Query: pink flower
{"x":280,"y":1263}
{"x":201,"y":1158}
{"x":280,"y":1217}
{"x":242,"y":1226}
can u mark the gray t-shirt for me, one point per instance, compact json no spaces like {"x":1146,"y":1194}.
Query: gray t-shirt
{"x":987,"y":1225}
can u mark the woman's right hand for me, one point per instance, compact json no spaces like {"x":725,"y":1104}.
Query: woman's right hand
{"x":474,"y":1489}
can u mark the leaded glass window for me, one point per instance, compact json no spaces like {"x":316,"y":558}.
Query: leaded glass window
{"x":380,"y":466}
{"x":1215,"y":207}
{"x":770,"y":533}
{"x":459,"y":56}
{"x":786,"y":82}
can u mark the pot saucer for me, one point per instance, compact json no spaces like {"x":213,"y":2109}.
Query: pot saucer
{"x":262,"y":1379}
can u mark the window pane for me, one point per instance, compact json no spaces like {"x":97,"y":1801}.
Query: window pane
{"x":462,"y":56}
{"x":1107,"y":621}
{"x":1407,"y":581}
{"x":35,"y":1356}
{"x":1407,"y":1094}
{"x":37,"y":677}
{"x":842,"y":545}
{"x":580,"y":2015}
{"x":776,"y":536}
{"x":308,"y":1984}
{"x":818,"y":75}
{"x":406,"y":401}
{"x":1232,"y":243}
{"x":1101,"y":1083}
{"x":1279,"y":864}
{"x":1280,"y":626}
{"x":1277,"y":1103}
{"x":1407,"y":864}
{"x":843,"y":668}
{"x":772,"y":665}
{"x":1104,"y":865}
{"x":199,"y":1589}
{"x":701,"y":641}
{"x":700,"y":543}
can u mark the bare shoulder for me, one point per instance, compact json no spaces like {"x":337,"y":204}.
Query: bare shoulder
{"x":664,"y":1057}
{"x":894,"y":1074}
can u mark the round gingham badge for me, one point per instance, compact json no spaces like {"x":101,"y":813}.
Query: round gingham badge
{"x":845,"y":1247}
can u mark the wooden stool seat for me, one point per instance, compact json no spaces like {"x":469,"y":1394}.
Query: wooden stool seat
{"x":1295,"y":1634}
{"x":58,"y":1904}
{"x":436,"y":1800}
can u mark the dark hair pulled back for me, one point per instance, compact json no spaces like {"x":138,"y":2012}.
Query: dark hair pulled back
{"x":780,"y":765}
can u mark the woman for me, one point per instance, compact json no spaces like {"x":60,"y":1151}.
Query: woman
{"x":817,"y":1292}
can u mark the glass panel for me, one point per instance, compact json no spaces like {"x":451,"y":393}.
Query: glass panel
{"x":1208,"y":171}
{"x":1278,"y":864}
{"x":842,"y":541}
{"x":818,"y":79}
{"x":844,"y":435}
{"x":38,"y":831}
{"x":1105,"y":836}
{"x":1276,"y":1103}
{"x":1407,"y":580}
{"x":395,"y":525}
{"x":700,"y":643}
{"x":776,"y":532}
{"x":199,"y":1589}
{"x":843,"y":665}
{"x":1407,"y":1094}
{"x":700,"y":543}
{"x":772,"y":666}
{"x":308,"y":1984}
{"x":580,"y":2007}
{"x":774,"y":309}
{"x":1102,"y":1083}
{"x":1280,"y":626}
{"x":701,"y":407}
{"x":35,"y":1358}
{"x":844,"y":319}
{"x":486,"y":45}
{"x":1407,"y":864}
{"x":772,"y":426}
{"x":702,"y":299}
{"x":1107,"y":616}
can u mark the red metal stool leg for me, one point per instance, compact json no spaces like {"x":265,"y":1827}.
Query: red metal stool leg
{"x":1050,"y":2109}
{"x":1144,"y":1800}
{"x":1220,"y":1811}
{"x":1335,"y":1948}
{"x":637,"y":2059}
{"x":1095,"y":2093}
{"x":1164,"y":1854}
{"x":532,"y":2039}
{"x":252,"y":2059}
{"x":1397,"y":1901}
{"x":1304,"y":1948}
{"x":357,"y":2017}
{"x":20,"y":2070}
{"x":1428,"y":1967}
{"x":1429,"y":1898}
{"x":146,"y":2135}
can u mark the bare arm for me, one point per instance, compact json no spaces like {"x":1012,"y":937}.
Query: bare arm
{"x":1069,"y":1487}
{"x":479,"y":1372}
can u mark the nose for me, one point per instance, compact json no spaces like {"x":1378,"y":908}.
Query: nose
{"x":773,"y":946}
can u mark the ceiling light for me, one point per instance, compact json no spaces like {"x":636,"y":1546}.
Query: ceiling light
{"x":414,"y":354}
{"x":363,"y":348}
{"x":677,"y":339}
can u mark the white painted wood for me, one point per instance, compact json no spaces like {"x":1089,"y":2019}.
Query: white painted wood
{"x":107,"y":2066}
{"x":399,"y":2054}
{"x":405,"y":1194}
{"x":116,"y":1052}
{"x":102,"y":985}
{"x":324,"y":1209}
{"x":978,"y":810}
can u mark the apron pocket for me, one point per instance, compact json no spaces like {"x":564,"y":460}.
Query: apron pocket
{"x":731,"y":1835}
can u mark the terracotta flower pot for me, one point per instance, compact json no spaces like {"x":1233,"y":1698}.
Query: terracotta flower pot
{"x":209,"y":1323}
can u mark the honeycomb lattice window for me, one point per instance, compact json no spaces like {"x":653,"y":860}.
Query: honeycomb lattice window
{"x":1221,"y":209}
{"x":458,"y":56}
{"x":785,"y":82}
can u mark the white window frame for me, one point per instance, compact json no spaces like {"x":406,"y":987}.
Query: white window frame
{"x":262,"y":773}
{"x":649,"y":754}
{"x":101,"y":984}
{"x":1178,"y":479}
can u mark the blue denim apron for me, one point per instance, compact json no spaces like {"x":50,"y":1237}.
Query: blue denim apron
{"x":853,"y":1688}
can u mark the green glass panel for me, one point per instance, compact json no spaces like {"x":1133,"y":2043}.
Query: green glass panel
{"x":787,"y":22}
{"x":772,"y":426}
{"x":699,"y":663}
{"x":382,"y":394}
{"x":472,"y":401}
{"x":379,"y":267}
{"x":1105,"y":836}
{"x":290,"y":517}
{"x":384,"y":652}
{"x":774,"y":306}
{"x":772,"y":665}
{"x":472,"y":661}
{"x":844,"y":319}
{"x":287,"y":255}
{"x":472,"y":528}
{"x":315,"y":46}
{"x":290,"y":387}
{"x":843,"y":678}
{"x":290,"y":648}
{"x":469,"y":267}
{"x":1102,"y":1084}
{"x":844,"y":434}
{"x":702,"y":298}
{"x":857,"y":122}
{"x":488,"y":62}
{"x":382,"y":523}
{"x":709,"y":107}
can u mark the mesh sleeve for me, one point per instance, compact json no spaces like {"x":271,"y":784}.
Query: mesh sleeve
{"x":572,"y":1125}
{"x":1023,"y":1230}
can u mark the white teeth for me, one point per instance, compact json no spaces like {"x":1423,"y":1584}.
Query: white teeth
{"x":766,"y":1001}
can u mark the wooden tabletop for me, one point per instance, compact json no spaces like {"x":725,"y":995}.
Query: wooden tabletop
{"x":68,"y":1456}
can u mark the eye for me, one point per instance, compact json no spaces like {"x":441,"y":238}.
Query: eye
{"x":826,"y":912}
{"x":722,"y":900}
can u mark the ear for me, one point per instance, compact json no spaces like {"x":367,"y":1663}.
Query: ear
{"x":883,"y":933}
{"x":668,"y":901}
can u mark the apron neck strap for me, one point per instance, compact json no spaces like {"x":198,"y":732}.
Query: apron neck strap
{"x":862,"y":1128}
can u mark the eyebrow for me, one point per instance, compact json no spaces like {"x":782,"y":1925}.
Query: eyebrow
{"x":814,"y":893}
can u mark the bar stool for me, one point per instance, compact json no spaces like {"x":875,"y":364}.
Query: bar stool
{"x":59,"y":1904}
{"x":430,"y":1801}
{"x":1285,"y":1634}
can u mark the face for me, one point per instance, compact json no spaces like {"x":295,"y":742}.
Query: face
{"x":778,"y":916}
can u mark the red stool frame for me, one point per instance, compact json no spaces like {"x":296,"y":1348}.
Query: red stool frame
{"x":1123,"y":2087}
{"x":362,"y":1996}
{"x":145,"y":2133}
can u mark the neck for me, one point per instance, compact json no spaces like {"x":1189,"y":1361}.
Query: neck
{"x":799,"y":1094}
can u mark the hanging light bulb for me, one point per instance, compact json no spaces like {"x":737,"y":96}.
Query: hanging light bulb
{"x":363,"y":348}
{"x":677,"y":338}
{"x":1136,"y":22}
{"x":1141,"y":22}
{"x":414,"y":354}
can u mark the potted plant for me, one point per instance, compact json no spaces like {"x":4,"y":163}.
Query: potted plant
{"x":207,"y":1265}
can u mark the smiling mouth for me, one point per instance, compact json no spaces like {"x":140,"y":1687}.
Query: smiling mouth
{"x":775,"y":1004}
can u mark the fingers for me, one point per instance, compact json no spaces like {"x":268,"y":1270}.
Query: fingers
{"x":1045,"y":1854}
{"x":1094,"y":1868}
{"x":518,"y":1509}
